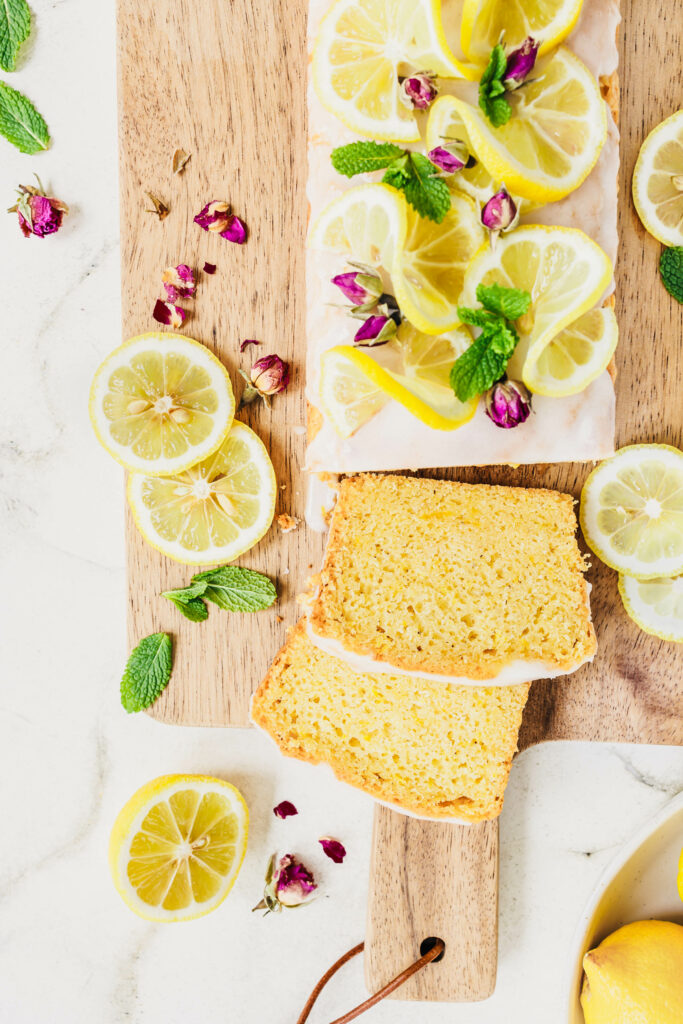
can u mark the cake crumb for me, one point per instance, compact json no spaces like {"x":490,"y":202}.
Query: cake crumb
{"x":287,"y":523}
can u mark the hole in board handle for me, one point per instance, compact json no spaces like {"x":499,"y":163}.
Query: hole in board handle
{"x":428,"y":944}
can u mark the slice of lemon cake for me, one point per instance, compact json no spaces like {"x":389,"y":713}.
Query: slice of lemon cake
{"x":464,"y":583}
{"x":434,"y":750}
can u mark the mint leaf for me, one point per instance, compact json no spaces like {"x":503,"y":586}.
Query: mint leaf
{"x":15,"y":28}
{"x":20,"y":122}
{"x":428,"y":194}
{"x":476,"y":317}
{"x":147,"y":672}
{"x":476,"y":369}
{"x":237,"y":590}
{"x":671,"y":270}
{"x":188,"y":601}
{"x":492,"y":90}
{"x":508,"y":302}
{"x":363,"y":157}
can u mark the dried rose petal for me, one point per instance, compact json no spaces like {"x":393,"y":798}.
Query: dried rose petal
{"x":333,"y":849}
{"x":209,"y":268}
{"x":179,"y":282}
{"x":285,"y":809}
{"x":168,"y":314}
{"x":218,"y":217}
{"x":236,"y":231}
{"x":248,"y":341}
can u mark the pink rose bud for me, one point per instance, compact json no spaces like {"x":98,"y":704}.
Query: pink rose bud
{"x":268,"y":376}
{"x":520,"y":64}
{"x":288,"y":884}
{"x":218,"y":217}
{"x":508,"y":403}
{"x":499,"y":212}
{"x":38,"y":213}
{"x":418,"y":91}
{"x":361,"y":287}
{"x":333,"y":849}
{"x":446,"y":161}
{"x":376,"y":330}
{"x":179,"y":282}
{"x":285,"y":809}
{"x":168,"y":314}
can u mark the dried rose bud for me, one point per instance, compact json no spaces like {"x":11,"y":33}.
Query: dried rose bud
{"x":376,"y":330}
{"x":333,"y":849}
{"x":268,"y":376}
{"x":362,"y":287}
{"x":508,"y":403}
{"x":520,"y":64}
{"x":218,"y":217}
{"x":500,"y":213}
{"x":288,"y":884}
{"x":38,"y":213}
{"x":418,"y":91}
{"x":168,"y":314}
{"x":179,"y":282}
{"x":446,"y":161}
{"x":285,"y":809}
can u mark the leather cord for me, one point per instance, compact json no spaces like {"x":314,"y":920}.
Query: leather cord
{"x":436,"y":950}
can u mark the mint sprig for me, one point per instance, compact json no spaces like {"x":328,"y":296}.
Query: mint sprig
{"x":188,"y":601}
{"x":231,"y":587}
{"x":411,"y":173}
{"x":15,"y":28}
{"x":671,"y":270}
{"x":492,"y":89}
{"x":147,"y":673}
{"x":485,"y":361}
{"x":20,"y":122}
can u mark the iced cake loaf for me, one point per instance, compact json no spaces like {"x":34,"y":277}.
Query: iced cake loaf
{"x":434,"y":750}
{"x":458,"y":582}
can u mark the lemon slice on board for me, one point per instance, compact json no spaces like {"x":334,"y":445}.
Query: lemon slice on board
{"x":363,"y":46}
{"x":563,"y":270}
{"x":575,"y":356}
{"x":177,"y":846}
{"x":160,"y":403}
{"x":632,"y":511}
{"x":214,"y":511}
{"x":658,"y":181}
{"x":655,"y":605}
{"x":554,"y":137}
{"x":548,"y":21}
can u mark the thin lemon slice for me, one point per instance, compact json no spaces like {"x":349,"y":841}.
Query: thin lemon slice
{"x":575,"y":356}
{"x":428,"y":358}
{"x":215,"y":510}
{"x":554,"y":137}
{"x":655,"y":605}
{"x":367,"y":222}
{"x":160,"y":403}
{"x":177,"y":846}
{"x":658,"y":181}
{"x":431,"y":403}
{"x":563,"y":270}
{"x":362,"y":48}
{"x":548,"y":21}
{"x":632,"y":511}
{"x":446,"y":125}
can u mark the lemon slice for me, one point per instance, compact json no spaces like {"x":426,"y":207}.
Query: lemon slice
{"x":177,"y":846}
{"x":563,"y":270}
{"x":575,"y":356}
{"x":215,"y":510}
{"x":160,"y":403}
{"x":548,"y":21}
{"x":429,"y":358}
{"x":655,"y":605}
{"x":363,"y":46}
{"x":348,"y":396}
{"x":632,"y":511}
{"x":658,"y":181}
{"x":367,"y":222}
{"x":554,"y":137}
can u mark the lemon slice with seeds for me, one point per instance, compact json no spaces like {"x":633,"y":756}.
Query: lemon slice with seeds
{"x":658,"y":181}
{"x":177,"y":846}
{"x":362,"y":48}
{"x":655,"y":605}
{"x":214,"y":511}
{"x":575,"y":356}
{"x":632,"y":511}
{"x":160,"y":403}
{"x":548,"y":21}
{"x":554,"y":136}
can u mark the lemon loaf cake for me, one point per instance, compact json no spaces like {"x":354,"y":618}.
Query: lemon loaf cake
{"x":461,"y":582}
{"x":434,"y":750}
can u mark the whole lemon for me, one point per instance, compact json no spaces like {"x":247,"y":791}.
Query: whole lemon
{"x":635,"y":976}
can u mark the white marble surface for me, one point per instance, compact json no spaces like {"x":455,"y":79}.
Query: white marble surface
{"x":70,"y":951}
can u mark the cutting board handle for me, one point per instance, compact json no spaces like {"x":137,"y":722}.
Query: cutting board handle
{"x":429,"y":879}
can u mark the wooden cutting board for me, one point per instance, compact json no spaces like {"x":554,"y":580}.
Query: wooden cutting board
{"x":226,"y":82}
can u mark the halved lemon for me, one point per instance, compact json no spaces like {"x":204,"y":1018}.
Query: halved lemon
{"x":655,"y":605}
{"x":160,"y":403}
{"x":363,"y":46}
{"x":367,"y":222}
{"x":563,"y":270}
{"x":548,"y":21}
{"x":554,"y":137}
{"x":214,"y":511}
{"x":575,"y":356}
{"x":177,"y":846}
{"x":658,"y":181}
{"x":632,"y":511}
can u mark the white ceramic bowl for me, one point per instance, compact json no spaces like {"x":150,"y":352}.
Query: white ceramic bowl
{"x":639,"y":883}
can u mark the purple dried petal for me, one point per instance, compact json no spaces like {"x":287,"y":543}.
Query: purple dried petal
{"x":293,"y":882}
{"x":445,"y":160}
{"x":500,"y":212}
{"x":520,"y":63}
{"x":333,"y":849}
{"x":508,"y":403}
{"x":214,"y":216}
{"x":209,"y":268}
{"x":235,"y":230}
{"x":418,"y":91}
{"x":285,"y":809}
{"x":168,"y":314}
{"x":179,"y":282}
{"x":248,"y":341}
